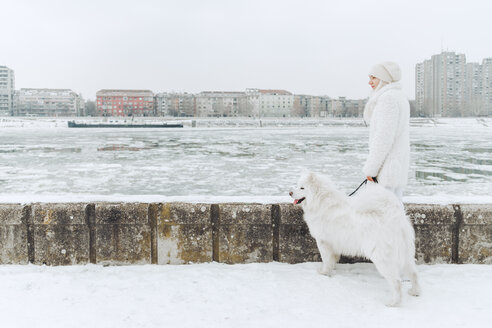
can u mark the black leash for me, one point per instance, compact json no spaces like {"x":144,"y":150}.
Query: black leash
{"x":363,"y":183}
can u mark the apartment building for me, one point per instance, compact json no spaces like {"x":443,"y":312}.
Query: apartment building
{"x":175,"y":104}
{"x":48,"y":102}
{"x":7,"y":91}
{"x":307,"y":106}
{"x":120,"y":102}
{"x":274,"y":103}
{"x":473,"y":92}
{"x":222,"y":104}
{"x":446,"y":85}
{"x":420,"y":90}
{"x":486,"y":87}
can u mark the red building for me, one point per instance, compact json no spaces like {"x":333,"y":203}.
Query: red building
{"x":125,"y":103}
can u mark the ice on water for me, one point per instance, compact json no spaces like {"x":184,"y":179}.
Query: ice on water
{"x":231,"y":158}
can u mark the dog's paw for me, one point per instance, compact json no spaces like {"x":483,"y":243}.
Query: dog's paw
{"x":393,"y":303}
{"x":325,"y":271}
{"x":414,"y":291}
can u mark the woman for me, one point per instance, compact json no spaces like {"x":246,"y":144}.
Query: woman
{"x":387,"y":112}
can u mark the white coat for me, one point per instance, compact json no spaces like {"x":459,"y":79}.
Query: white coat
{"x":388,"y":113}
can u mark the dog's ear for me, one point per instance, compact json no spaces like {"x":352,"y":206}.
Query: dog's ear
{"x":312,"y":177}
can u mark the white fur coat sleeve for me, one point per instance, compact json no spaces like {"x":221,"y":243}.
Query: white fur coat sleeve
{"x":384,"y":123}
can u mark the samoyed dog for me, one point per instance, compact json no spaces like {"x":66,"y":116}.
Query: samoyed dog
{"x":372,"y":224}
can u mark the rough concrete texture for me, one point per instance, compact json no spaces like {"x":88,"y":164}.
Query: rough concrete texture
{"x":433,"y":226}
{"x":295,"y":243}
{"x":475,"y":234}
{"x":13,"y":235}
{"x":176,"y":233}
{"x":122,"y":233}
{"x":61,"y":234}
{"x":245,"y":233}
{"x":184,"y":233}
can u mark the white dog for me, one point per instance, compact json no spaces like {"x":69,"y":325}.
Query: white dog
{"x":372,"y":223}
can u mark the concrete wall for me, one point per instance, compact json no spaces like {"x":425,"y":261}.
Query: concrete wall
{"x":179,"y":233}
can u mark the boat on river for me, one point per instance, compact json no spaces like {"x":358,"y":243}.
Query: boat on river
{"x":73,"y":124}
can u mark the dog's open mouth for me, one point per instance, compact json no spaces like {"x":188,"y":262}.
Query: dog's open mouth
{"x":298,"y":201}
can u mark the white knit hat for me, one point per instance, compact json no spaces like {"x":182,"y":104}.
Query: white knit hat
{"x":386,"y":71}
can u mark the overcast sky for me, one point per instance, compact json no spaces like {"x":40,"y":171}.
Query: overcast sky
{"x":317,"y":47}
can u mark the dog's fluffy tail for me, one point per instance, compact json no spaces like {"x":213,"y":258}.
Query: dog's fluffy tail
{"x":407,"y":249}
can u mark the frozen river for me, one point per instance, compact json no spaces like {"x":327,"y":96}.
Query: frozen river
{"x":450,"y":157}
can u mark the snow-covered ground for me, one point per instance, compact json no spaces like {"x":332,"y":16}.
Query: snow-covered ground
{"x":251,"y":295}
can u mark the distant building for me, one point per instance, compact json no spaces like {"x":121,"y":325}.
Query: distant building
{"x":338,"y":106}
{"x":355,"y":107}
{"x":424,"y":89}
{"x":486,"y":87}
{"x":441,"y":85}
{"x":125,"y":103}
{"x":221,"y":104}
{"x":307,"y":106}
{"x":7,"y":91}
{"x":271,"y":103}
{"x":420,"y":94}
{"x":48,"y":102}
{"x":446,"y":85}
{"x":324,"y":106}
{"x":343,"y":107}
{"x":473,"y":92}
{"x":175,"y":104}
{"x":253,"y":102}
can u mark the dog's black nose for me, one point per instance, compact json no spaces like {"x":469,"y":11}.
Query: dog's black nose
{"x":290,"y":193}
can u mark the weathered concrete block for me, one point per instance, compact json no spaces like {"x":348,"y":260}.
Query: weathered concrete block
{"x":295,"y":242}
{"x":121,"y":213}
{"x":122,"y":233}
{"x":245,"y":233}
{"x":433,"y":226}
{"x":475,"y":242}
{"x":13,"y":235}
{"x":61,"y":234}
{"x":184,"y":233}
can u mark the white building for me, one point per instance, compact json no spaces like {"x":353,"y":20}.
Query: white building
{"x":7,"y":91}
{"x":440,"y":85}
{"x":48,"y":102}
{"x":487,"y":87}
{"x":446,"y":85}
{"x":272,"y":103}
{"x":253,"y":101}
{"x":473,"y":94}
{"x":420,"y":88}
